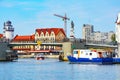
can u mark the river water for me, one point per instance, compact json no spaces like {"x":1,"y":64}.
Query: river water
{"x":52,"y":69}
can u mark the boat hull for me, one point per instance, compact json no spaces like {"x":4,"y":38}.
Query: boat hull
{"x":40,"y":58}
{"x":94,"y":60}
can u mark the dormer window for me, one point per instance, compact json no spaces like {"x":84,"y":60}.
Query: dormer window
{"x":42,"y":34}
{"x":47,"y":34}
{"x":36,"y":34}
{"x":52,"y":33}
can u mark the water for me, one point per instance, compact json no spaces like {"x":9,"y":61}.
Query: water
{"x":52,"y":69}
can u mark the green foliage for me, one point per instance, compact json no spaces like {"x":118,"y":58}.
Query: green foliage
{"x":113,"y":38}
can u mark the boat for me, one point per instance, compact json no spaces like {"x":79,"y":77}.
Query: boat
{"x":40,"y":56}
{"x":93,"y":56}
{"x":6,"y":53}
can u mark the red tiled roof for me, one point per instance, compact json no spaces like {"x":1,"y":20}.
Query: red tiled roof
{"x":1,"y":35}
{"x":55,"y":30}
{"x":24,"y":38}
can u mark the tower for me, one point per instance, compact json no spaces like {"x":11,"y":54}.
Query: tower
{"x":8,"y":30}
{"x":118,"y":32}
{"x":87,"y":31}
{"x":72,"y":32}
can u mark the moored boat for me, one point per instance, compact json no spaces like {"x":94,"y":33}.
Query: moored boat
{"x":92,"y":56}
{"x":40,"y":57}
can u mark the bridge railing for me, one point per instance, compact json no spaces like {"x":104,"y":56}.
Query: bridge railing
{"x":101,"y":42}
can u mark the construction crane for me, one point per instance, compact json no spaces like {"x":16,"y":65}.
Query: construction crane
{"x":65,"y":18}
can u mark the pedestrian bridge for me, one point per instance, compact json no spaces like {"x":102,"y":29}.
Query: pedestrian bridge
{"x":83,"y":44}
{"x":87,"y":44}
{"x":101,"y":44}
{"x":18,"y":44}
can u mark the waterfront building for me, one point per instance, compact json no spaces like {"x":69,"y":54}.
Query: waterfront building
{"x":117,"y":24}
{"x":102,"y":36}
{"x":87,"y":31}
{"x":50,"y":35}
{"x":8,"y":31}
{"x":23,"y":39}
{"x":43,"y":41}
{"x":89,"y":34}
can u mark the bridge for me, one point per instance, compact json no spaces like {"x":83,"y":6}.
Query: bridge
{"x":32,"y":46}
{"x":82,"y":44}
{"x":101,"y":44}
{"x":78,"y":43}
{"x":33,"y":43}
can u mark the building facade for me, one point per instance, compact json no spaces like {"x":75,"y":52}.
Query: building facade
{"x":23,"y":39}
{"x":87,"y":31}
{"x":8,"y":32}
{"x":50,"y":35}
{"x":89,"y":34}
{"x":43,"y":41}
{"x":117,"y":25}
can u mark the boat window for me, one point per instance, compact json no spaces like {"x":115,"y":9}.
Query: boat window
{"x":104,"y":54}
{"x":81,"y":52}
{"x":90,"y":53}
{"x":75,"y":52}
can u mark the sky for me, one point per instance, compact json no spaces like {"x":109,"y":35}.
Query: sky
{"x":28,"y":15}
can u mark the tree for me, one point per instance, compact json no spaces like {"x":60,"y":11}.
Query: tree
{"x":113,"y":38}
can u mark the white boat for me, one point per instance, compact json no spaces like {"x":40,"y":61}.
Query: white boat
{"x":40,"y":56}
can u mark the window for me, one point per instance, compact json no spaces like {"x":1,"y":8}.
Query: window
{"x":90,"y":53}
{"x":75,"y":52}
{"x":81,"y":52}
{"x":52,"y":33}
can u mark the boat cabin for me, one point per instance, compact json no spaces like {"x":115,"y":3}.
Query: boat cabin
{"x":81,"y":53}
